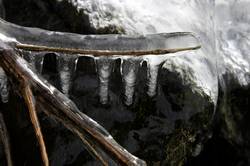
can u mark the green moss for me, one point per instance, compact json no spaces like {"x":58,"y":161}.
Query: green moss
{"x":179,"y":146}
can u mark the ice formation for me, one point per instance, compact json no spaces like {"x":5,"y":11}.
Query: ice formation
{"x":153,"y":65}
{"x":104,"y":68}
{"x":129,"y":69}
{"x":66,"y":69}
{"x":4,"y":92}
{"x":39,"y":58}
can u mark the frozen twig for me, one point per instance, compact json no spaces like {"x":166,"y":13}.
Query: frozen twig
{"x":102,"y":52}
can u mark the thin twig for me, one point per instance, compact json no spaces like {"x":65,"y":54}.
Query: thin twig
{"x":4,"y":137}
{"x":30,"y":101}
{"x":102,"y":52}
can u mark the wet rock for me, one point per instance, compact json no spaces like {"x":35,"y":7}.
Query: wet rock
{"x":233,"y":115}
{"x":234,"y":67}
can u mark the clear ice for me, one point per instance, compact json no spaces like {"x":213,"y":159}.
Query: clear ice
{"x":39,"y":58}
{"x":104,"y":69}
{"x":153,"y":65}
{"x":4,"y":92}
{"x":66,"y":69}
{"x":152,"y":79}
{"x":129,"y":71}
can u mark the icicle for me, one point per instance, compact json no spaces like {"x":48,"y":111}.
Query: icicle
{"x":104,"y":68}
{"x":129,"y":71}
{"x":75,"y":64}
{"x":152,"y":79}
{"x":66,"y":67}
{"x":39,"y":58}
{"x":153,"y":64}
{"x":4,"y":92}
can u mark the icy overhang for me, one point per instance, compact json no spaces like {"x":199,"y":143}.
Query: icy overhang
{"x":143,"y":43}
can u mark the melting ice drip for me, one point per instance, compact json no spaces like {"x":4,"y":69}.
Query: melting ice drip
{"x":4,"y":92}
{"x":66,"y":68}
{"x":152,"y":79}
{"x":104,"y":68}
{"x":39,"y":58}
{"x":129,"y":71}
